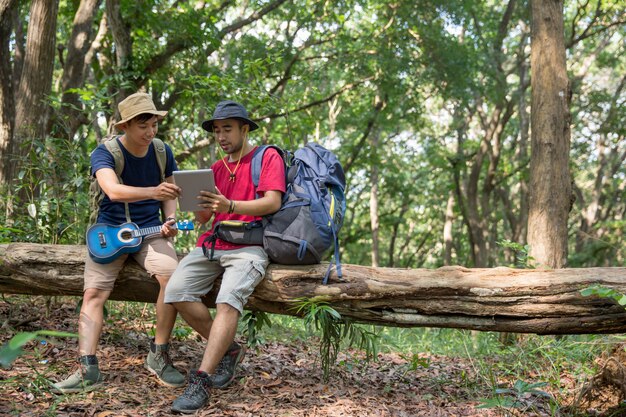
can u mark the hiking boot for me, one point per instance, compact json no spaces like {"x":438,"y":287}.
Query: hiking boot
{"x":196,"y":394}
{"x":159,"y":363}
{"x":225,"y":372}
{"x":86,"y":378}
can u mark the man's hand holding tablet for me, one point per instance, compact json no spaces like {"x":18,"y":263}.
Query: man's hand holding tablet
{"x":192,"y":182}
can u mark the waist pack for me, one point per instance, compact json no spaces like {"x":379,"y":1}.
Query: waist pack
{"x":234,"y":231}
{"x":311,"y":213}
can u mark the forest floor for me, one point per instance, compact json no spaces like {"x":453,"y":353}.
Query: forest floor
{"x":277,"y":379}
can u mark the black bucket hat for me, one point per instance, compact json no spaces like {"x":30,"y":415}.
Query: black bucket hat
{"x":229,"y":109}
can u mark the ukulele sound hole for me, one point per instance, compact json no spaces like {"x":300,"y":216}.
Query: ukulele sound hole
{"x":125,"y":235}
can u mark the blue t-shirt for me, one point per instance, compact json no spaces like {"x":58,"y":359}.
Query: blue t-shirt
{"x":138,"y":172}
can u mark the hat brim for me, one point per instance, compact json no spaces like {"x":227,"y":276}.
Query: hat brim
{"x":208,"y":124}
{"x":159,"y":113}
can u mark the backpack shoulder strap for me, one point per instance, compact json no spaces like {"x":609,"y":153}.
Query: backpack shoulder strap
{"x":161,"y":156}
{"x":257,"y":161}
{"x":113,"y":147}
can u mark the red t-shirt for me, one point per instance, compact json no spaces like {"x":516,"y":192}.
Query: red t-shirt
{"x":272,"y":179}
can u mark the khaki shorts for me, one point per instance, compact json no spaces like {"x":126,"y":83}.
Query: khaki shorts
{"x":242,"y":269}
{"x":157,"y":256}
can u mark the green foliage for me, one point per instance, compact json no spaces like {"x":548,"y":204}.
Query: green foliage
{"x":415,"y":362}
{"x":323,"y":318}
{"x":254,"y":322}
{"x":14,"y":347}
{"x":52,"y":183}
{"x":7,"y":234}
{"x":182,"y":332}
{"x":443,"y":88}
{"x":522,"y":259}
{"x":519,"y":396}
{"x":600,"y":291}
{"x":334,"y":330}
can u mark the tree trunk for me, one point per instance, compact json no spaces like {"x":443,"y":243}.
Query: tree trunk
{"x":374,"y":222}
{"x":7,"y":114}
{"x":121,"y":34}
{"x":78,"y":46}
{"x":33,"y":89}
{"x":123,"y":57}
{"x":498,"y":299}
{"x":550,"y":182}
{"x":447,"y":231}
{"x":391,"y":250}
{"x":36,"y":78}
{"x":519,"y":232}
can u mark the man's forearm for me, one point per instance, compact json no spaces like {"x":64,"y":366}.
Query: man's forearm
{"x":169,"y":208}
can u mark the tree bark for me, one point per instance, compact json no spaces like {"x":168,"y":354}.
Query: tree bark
{"x":7,"y":115}
{"x":78,"y":47}
{"x":36,"y":78}
{"x":374,"y":221}
{"x":120,"y":31}
{"x":519,"y":232}
{"x":121,"y":34}
{"x":447,"y":231}
{"x":550,"y":181}
{"x":498,"y":299}
{"x":31,"y":102}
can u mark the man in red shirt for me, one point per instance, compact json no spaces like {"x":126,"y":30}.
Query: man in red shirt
{"x":242,"y":266}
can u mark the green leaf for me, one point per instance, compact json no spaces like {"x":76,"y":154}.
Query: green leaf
{"x":605,"y":292}
{"x":588,"y":291}
{"x":13,"y":348}
{"x":504,"y":391}
{"x":21,"y":339}
{"x":8,"y":355}
{"x":55,"y":333}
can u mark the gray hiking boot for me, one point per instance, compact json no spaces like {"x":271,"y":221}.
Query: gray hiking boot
{"x":225,"y":371}
{"x":196,"y":394}
{"x":159,"y":363}
{"x":86,"y":378}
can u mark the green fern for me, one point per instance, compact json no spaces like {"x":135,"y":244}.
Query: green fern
{"x":255,"y":321}
{"x":334,"y":329}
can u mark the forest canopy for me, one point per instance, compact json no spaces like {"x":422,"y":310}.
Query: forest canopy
{"x":427,"y":105}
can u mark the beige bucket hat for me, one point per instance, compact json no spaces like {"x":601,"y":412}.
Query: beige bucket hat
{"x":137,"y":104}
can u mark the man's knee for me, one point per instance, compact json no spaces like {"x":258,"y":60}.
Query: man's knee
{"x":225,"y":309}
{"x":180,"y":306}
{"x":185,"y":306}
{"x":95,"y":296}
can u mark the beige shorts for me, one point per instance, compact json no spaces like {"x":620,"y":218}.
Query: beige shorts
{"x":157,"y":256}
{"x":241,"y":270}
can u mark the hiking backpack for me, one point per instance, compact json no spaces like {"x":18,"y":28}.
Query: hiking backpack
{"x":312,"y":209}
{"x":96,"y":195}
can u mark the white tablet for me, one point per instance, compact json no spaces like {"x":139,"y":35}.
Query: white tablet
{"x":192,"y":182}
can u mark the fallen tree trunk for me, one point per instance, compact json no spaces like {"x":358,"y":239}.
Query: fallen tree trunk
{"x":497,"y":299}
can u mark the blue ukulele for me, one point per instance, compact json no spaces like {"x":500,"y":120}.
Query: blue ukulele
{"x":106,"y":242}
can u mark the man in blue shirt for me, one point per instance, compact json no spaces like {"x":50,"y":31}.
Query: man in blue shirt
{"x":139,"y":194}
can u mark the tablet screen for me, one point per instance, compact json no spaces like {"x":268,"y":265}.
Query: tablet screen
{"x":192,"y":182}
